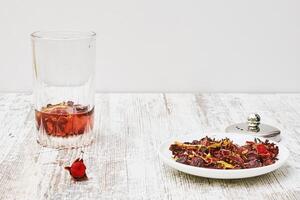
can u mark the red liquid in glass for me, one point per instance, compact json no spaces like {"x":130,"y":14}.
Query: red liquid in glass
{"x":65,"y":119}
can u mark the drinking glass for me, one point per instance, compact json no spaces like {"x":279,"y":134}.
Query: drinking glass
{"x":64,"y":68}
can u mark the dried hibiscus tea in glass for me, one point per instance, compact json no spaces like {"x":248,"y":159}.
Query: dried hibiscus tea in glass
{"x":64,"y":87}
{"x":64,"y":119}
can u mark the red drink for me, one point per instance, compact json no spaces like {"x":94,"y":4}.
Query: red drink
{"x":65,"y":119}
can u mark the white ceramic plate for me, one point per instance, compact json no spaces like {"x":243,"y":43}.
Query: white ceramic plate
{"x":166,"y":156}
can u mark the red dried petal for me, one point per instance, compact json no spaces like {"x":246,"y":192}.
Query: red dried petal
{"x":77,"y":170}
{"x":261,"y":149}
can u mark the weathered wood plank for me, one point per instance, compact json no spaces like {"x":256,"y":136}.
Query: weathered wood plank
{"x":123,"y":163}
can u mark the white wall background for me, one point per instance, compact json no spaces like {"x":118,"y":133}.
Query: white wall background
{"x":165,"y":45}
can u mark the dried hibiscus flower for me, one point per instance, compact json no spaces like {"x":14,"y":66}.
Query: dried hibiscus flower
{"x":77,"y":170}
{"x":224,"y":154}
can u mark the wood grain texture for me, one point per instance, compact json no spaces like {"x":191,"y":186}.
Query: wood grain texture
{"x":123,"y":163}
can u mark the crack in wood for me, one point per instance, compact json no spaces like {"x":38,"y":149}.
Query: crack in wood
{"x":166,"y":104}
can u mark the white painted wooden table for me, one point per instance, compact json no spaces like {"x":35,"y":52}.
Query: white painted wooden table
{"x":123,"y":162}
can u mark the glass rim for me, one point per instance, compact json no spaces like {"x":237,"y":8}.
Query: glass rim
{"x":63,"y":35}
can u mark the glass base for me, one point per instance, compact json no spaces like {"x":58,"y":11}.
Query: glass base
{"x":73,"y":141}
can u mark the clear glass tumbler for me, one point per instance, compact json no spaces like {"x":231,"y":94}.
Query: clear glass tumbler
{"x":64,"y":68}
